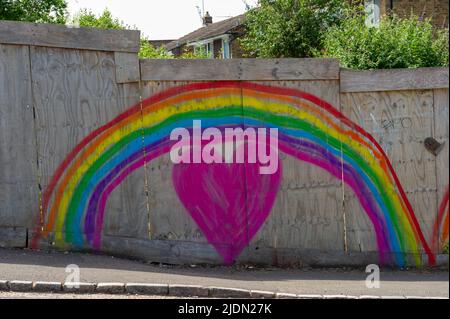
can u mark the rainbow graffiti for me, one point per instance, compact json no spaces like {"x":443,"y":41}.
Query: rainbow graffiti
{"x":310,"y":130}
{"x":440,"y":230}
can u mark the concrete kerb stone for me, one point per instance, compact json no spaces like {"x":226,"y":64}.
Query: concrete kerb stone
{"x":110,"y":288}
{"x":42,"y":286}
{"x":79,"y":287}
{"x":336,"y":297}
{"x":172,"y":290}
{"x":417,"y":297}
{"x":4,"y":285}
{"x":188,"y":291}
{"x":309,"y":297}
{"x":281,"y":295}
{"x":147,"y":289}
{"x":393,"y":297}
{"x":262,"y":294}
{"x":223,"y":292}
{"x":20,"y":286}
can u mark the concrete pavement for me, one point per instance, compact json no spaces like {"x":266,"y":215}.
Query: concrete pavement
{"x":51,"y":266}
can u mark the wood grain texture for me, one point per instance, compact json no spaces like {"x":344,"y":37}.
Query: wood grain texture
{"x":13,"y":237}
{"x":127,"y":67}
{"x":70,"y":93}
{"x":394,"y":80}
{"x":308,"y":210}
{"x":19,"y":186}
{"x":75,"y":93}
{"x":188,"y":253}
{"x":239,"y":69}
{"x":127,"y":207}
{"x":169,"y":220}
{"x":289,"y":69}
{"x":441,"y":134}
{"x":309,"y":203}
{"x":60,"y":36}
{"x":400,"y":121}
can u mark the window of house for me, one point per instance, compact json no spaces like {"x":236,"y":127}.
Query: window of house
{"x":226,"y":52}
{"x":207,"y":48}
{"x":210,"y":49}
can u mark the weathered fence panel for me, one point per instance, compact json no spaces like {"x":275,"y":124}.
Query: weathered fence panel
{"x":401,"y":121}
{"x":127,"y":206}
{"x":75,"y":93}
{"x":441,"y":133}
{"x":401,"y":111}
{"x":19,"y":181}
{"x":308,"y":206}
{"x":85,"y":128}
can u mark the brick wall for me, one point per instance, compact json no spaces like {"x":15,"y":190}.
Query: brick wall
{"x":236,"y":50}
{"x":435,"y":9}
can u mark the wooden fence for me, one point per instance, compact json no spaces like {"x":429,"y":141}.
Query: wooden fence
{"x":84,"y":125}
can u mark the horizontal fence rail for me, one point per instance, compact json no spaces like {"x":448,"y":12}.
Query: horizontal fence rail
{"x":393,"y":80}
{"x":239,"y":69}
{"x":60,"y":36}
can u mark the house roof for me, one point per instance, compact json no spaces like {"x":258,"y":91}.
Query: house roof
{"x":209,"y":31}
{"x":159,"y":43}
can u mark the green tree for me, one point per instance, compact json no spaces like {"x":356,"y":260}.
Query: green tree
{"x":395,"y":43}
{"x":47,"y":11}
{"x":290,"y":28}
{"x":87,"y":18}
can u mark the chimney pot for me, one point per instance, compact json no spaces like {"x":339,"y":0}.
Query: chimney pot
{"x":207,"y":19}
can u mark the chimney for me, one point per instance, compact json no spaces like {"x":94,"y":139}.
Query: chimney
{"x":207,"y":19}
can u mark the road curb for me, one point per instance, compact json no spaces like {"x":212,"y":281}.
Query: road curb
{"x":188,"y":291}
{"x":169,"y":290}
{"x":147,"y":289}
{"x":223,"y":292}
{"x":43,"y":286}
{"x":79,"y":288}
{"x":20,"y":286}
{"x":110,"y":288}
{"x":4,"y":285}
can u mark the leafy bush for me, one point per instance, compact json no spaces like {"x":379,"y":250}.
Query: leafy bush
{"x":49,"y":11}
{"x":87,"y":18}
{"x":395,"y":43}
{"x":290,"y":28}
{"x":199,"y":53}
{"x":148,"y":51}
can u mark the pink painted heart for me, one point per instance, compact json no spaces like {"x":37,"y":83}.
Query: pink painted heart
{"x":229,"y":202}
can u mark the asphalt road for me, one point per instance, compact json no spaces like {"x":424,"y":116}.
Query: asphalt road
{"x":51,"y":266}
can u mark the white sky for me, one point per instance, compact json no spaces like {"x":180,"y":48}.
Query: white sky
{"x":163,"y":19}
